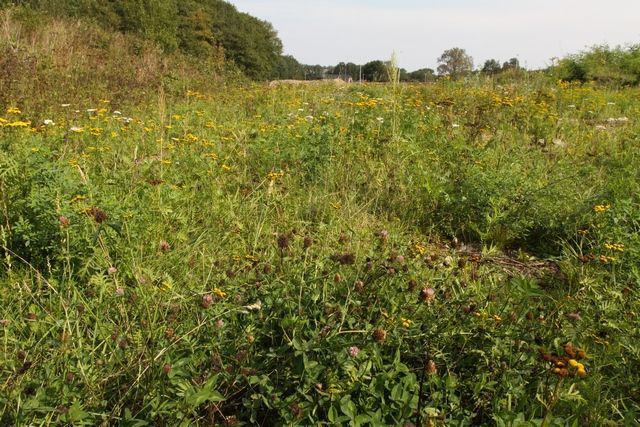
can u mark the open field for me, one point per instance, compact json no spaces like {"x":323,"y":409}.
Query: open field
{"x":446,"y":254}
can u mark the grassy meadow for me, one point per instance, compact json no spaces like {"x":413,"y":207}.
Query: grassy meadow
{"x":458,"y":253}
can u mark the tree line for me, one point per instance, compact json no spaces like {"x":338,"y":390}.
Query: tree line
{"x":214,"y":29}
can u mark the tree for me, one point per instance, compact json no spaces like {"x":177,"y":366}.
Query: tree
{"x":421,"y":75}
{"x":289,"y":68}
{"x":375,"y":71}
{"x":491,"y":67}
{"x":455,"y":63}
{"x":512,"y":64}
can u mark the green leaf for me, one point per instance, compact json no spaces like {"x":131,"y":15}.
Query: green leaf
{"x":348,"y":407}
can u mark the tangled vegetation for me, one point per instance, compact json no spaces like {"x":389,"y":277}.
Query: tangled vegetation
{"x":443,"y":254}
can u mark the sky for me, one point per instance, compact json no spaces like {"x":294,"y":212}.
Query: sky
{"x":330,"y":31}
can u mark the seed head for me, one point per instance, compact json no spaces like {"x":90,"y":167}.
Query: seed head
{"x":283,"y":241}
{"x":379,"y":335}
{"x":98,"y":215}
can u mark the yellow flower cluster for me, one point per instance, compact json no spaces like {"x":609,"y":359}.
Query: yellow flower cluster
{"x":601,"y":208}
{"x":619,"y":247}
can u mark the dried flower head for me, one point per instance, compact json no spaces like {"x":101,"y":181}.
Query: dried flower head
{"x":379,"y":335}
{"x":98,"y":214}
{"x":164,"y":246}
{"x":427,"y":294}
{"x":353,"y":351}
{"x":283,"y":241}
{"x":207,"y":300}
{"x":307,"y":242}
{"x":344,"y":259}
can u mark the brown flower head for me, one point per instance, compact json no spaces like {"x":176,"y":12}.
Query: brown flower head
{"x":379,"y":335}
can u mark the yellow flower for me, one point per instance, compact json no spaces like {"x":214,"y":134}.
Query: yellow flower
{"x":601,"y":208}
{"x":573,"y":362}
{"x":18,"y":124}
{"x":13,"y":110}
{"x":614,"y":246}
{"x":406,"y":322}
{"x":219,"y":292}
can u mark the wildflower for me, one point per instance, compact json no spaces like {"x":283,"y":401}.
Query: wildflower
{"x":379,"y":335}
{"x":406,"y":322}
{"x":166,"y":368}
{"x":353,"y":351}
{"x":18,"y":124}
{"x":614,"y":246}
{"x":601,"y":208}
{"x":380,"y":120}
{"x":219,"y":293}
{"x":98,"y":214}
{"x":606,"y":259}
{"x":427,"y":294}
{"x":112,"y":270}
{"x":219,"y":323}
{"x":455,"y":125}
{"x":344,"y":259}
{"x":64,"y":221}
{"x":48,"y":122}
{"x":164,"y":246}
{"x":13,"y":110}
{"x":65,"y":105}
{"x":430,"y":368}
{"x":207,"y":300}
{"x":76,"y":129}
{"x":119,"y":292}
{"x":283,"y":241}
{"x":117,"y":113}
{"x":309,"y":119}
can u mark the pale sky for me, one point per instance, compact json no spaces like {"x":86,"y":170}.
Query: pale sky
{"x":330,"y":31}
